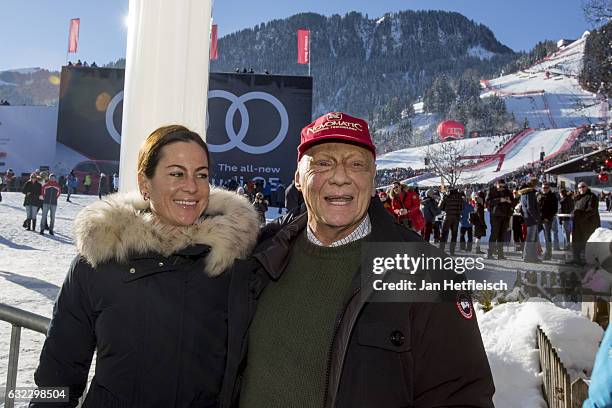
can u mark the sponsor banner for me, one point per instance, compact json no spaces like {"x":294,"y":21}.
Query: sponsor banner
{"x":253,"y":129}
{"x":303,"y":46}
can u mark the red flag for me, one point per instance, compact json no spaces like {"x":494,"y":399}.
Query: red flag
{"x":73,"y":36}
{"x":303,"y":46}
{"x":214,"y":52}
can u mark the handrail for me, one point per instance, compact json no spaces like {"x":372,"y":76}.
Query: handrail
{"x":25,"y":319}
{"x":18,"y":318}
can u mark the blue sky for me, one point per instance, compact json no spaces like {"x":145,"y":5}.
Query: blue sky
{"x":34,"y":32}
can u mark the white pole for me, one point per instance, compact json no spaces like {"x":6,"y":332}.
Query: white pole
{"x":166,"y":76}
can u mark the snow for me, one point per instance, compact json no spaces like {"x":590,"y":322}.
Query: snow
{"x":24,"y":71}
{"x":479,"y":52}
{"x":413,"y":156}
{"x":509,"y":335}
{"x":525,"y":152}
{"x":6,"y":83}
{"x":33,"y":267}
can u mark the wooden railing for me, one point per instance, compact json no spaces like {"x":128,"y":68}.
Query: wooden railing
{"x":558,"y":390}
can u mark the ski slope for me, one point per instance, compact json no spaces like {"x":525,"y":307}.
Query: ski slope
{"x":413,"y":156}
{"x":555,"y":100}
{"x":525,"y":151}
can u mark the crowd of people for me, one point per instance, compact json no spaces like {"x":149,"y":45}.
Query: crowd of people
{"x":519,"y":215}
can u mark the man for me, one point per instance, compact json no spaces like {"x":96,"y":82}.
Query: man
{"x":499,"y":201}
{"x":51,"y":191}
{"x":430,"y":209}
{"x":293,"y":199}
{"x":567,"y":207}
{"x":548,"y":205}
{"x":452,"y":205}
{"x":586,"y":220}
{"x":532,"y":220}
{"x":317,"y":339}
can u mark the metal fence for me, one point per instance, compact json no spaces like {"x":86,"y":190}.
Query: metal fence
{"x":558,"y":391}
{"x":18,"y":319}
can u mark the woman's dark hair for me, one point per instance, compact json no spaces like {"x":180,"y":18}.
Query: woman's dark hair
{"x":149,"y":154}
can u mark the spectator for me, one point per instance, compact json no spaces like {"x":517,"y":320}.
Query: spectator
{"x":293,"y":199}
{"x":9,"y":180}
{"x":115,"y":182}
{"x":499,"y":201}
{"x":452,"y":205}
{"x":32,"y":190}
{"x":548,"y":205}
{"x":71,"y":183}
{"x":102,"y":186}
{"x":51,"y":191}
{"x":586,"y":220}
{"x":429,"y":207}
{"x":87,"y":183}
{"x":478,"y":220}
{"x":386,"y":201}
{"x":609,"y":201}
{"x":279,"y":195}
{"x":1,"y":187}
{"x":517,"y":223}
{"x":567,"y":207}
{"x":466,"y":227}
{"x":261,"y":206}
{"x":531,"y":216}
{"x":406,"y":205}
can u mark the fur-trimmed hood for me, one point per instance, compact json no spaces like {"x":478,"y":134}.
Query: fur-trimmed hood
{"x":120,"y":226}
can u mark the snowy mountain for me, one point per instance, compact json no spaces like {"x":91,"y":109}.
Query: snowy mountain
{"x":547,"y":95}
{"x":360,"y":63}
{"x":29,"y":86}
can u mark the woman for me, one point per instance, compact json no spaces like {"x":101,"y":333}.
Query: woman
{"x":148,"y":289}
{"x":32,"y":190}
{"x":478,"y":220}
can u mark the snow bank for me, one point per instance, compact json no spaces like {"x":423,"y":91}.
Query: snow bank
{"x":509,"y":335}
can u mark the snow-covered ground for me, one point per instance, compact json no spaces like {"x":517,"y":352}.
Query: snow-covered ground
{"x":33,"y":267}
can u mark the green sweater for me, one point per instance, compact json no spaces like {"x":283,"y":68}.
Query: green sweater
{"x":291,"y":334}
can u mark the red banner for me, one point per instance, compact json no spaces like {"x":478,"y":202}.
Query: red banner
{"x":303,"y":46}
{"x":73,"y":36}
{"x":214,"y":52}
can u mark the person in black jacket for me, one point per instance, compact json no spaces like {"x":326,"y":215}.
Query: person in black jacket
{"x":452,"y":205}
{"x":293,"y":199}
{"x":317,"y":335}
{"x":150,"y":287}
{"x":549,"y":205}
{"x":32,"y":190}
{"x":430,"y":209}
{"x":586,"y":220}
{"x":499,"y":201}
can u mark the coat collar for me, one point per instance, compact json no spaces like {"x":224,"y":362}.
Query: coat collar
{"x":120,"y":227}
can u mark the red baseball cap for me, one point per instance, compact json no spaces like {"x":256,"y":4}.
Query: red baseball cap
{"x":336,"y":126}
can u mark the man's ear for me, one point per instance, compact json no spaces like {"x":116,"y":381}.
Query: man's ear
{"x":296,"y":179}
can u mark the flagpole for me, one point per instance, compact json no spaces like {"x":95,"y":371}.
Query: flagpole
{"x":309,"y":53}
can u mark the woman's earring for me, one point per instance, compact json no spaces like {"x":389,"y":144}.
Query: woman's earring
{"x":145,"y":196}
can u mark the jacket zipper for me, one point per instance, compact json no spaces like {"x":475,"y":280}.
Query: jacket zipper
{"x":331,"y":347}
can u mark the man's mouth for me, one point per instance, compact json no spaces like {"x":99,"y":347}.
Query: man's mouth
{"x":339,"y":200}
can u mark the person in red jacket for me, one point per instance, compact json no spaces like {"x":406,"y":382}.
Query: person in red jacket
{"x":406,"y":206}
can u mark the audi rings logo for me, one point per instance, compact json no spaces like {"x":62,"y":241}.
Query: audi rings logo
{"x":236,"y":139}
{"x":110,"y":113}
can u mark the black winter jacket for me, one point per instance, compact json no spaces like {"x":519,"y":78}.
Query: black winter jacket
{"x":549,"y":205}
{"x":497,"y":207}
{"x":32,"y":191}
{"x":430,"y":209}
{"x":586,"y":216}
{"x":452,"y":205}
{"x":152,"y":300}
{"x":384,"y":354}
